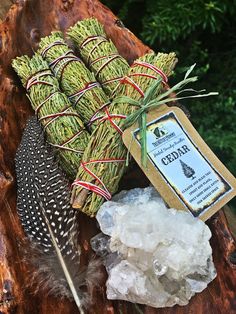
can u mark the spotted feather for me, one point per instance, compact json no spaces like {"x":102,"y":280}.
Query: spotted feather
{"x":43,"y":204}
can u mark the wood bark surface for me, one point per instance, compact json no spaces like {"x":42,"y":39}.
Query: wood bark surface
{"x":4,"y":6}
{"x":25,"y":24}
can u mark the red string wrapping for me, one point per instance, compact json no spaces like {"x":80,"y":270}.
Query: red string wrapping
{"x":33,"y":80}
{"x":43,"y":102}
{"x":109,"y":58}
{"x":104,"y":57}
{"x":66,"y":55}
{"x":67,"y":59}
{"x":63,"y":145}
{"x":52,"y":117}
{"x":88,"y":40}
{"x":81,"y":92}
{"x":128,"y":80}
{"x":92,"y":187}
{"x":55,"y":43}
{"x":151,"y":67}
{"x":91,"y":38}
{"x":95,"y":117}
{"x":112,"y":80}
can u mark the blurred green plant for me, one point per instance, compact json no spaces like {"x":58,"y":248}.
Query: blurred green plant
{"x":201,"y":32}
{"x":179,"y":19}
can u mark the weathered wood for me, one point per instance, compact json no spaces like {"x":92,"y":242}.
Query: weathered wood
{"x":19,"y":34}
{"x":4,"y":6}
{"x":231,"y":218}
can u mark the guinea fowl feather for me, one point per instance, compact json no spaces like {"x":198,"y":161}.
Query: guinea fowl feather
{"x":43,"y":204}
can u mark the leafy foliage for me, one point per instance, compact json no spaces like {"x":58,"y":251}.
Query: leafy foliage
{"x":180,"y":18}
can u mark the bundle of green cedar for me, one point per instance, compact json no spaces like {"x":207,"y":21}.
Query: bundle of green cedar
{"x":61,"y":122}
{"x":103,"y":161}
{"x":99,"y":54}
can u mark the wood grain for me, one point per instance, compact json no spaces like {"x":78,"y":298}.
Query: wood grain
{"x":4,"y":6}
{"x":25,"y":23}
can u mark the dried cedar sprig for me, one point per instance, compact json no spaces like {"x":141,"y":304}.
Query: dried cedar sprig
{"x":76,"y":81}
{"x":105,"y":148}
{"x":61,"y":122}
{"x":99,"y":53}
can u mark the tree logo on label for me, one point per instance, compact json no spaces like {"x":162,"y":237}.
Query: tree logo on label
{"x":187,"y":170}
{"x":158,"y":130}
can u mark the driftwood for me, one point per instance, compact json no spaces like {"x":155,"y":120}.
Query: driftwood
{"x":4,"y":6}
{"x":25,"y":23}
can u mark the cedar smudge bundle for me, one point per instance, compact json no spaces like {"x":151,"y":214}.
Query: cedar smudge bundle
{"x":61,"y":122}
{"x":103,"y":162}
{"x":99,"y":53}
{"x":50,"y":223}
{"x":76,"y":81}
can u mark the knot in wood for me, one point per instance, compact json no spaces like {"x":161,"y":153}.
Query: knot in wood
{"x":67,"y":4}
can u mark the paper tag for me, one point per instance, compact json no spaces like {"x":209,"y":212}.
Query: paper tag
{"x":181,"y":166}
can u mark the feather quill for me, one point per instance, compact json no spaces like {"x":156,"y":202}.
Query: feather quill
{"x":43,"y":205}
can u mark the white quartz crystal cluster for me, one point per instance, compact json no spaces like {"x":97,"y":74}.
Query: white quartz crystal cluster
{"x":153,"y":255}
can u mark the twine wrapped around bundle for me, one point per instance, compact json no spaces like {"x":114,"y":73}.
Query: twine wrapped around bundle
{"x":76,"y":81}
{"x":99,"y":53}
{"x":103,"y":161}
{"x":61,"y":122}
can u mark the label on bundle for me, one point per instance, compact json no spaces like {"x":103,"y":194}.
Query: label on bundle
{"x":180,"y":165}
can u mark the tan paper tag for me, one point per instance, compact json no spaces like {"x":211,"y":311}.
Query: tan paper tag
{"x":180,"y":165}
